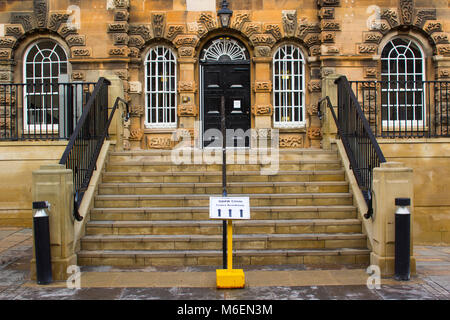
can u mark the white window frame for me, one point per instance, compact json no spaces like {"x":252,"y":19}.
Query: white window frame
{"x":42,"y":128}
{"x":152,"y":95}
{"x":405,"y":124}
{"x":286,"y":111}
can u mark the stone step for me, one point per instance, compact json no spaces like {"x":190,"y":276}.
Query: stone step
{"x":189,"y":200}
{"x":214,"y":227}
{"x":202,"y":213}
{"x":214,"y":242}
{"x":232,"y":154}
{"x":216,"y":176}
{"x":214,"y":187}
{"x":134,"y":258}
{"x":154,"y":166}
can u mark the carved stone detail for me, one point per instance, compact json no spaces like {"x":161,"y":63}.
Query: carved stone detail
{"x":330,"y":25}
{"x":440,"y":38}
{"x":119,"y":51}
{"x":66,"y":30}
{"x":187,"y":110}
{"x":5,"y":54}
{"x":121,"y":15}
{"x":173,"y":31}
{"x":315,"y":86}
{"x":263,"y":40}
{"x":312,"y":39}
{"x":120,"y":27}
{"x":40,"y":12}
{"x":263,"y":51}
{"x":263,"y":86}
{"x":186,"y":86}
{"x":14,"y":31}
{"x":432,"y":27}
{"x":78,"y":76}
{"x":406,"y":10}
{"x":136,"y":41}
{"x":159,"y":143}
{"x":186,"y":41}
{"x":289,"y":18}
{"x":252,"y":28}
{"x":374,"y":37}
{"x":331,"y":3}
{"x":121,"y":39}
{"x":56,"y":19}
{"x":423,"y":15}
{"x":314,"y":133}
{"x":443,"y":49}
{"x":273,"y":29}
{"x":367,"y":48}
{"x":262,"y":110}
{"x":208,"y":20}
{"x":136,"y":134}
{"x":24,"y":19}
{"x":326,"y":13}
{"x":143,"y":30}
{"x":370,"y":72}
{"x":137,"y":110}
{"x":7,"y":42}
{"x":240,"y":20}
{"x":312,"y":109}
{"x":81,"y":52}
{"x":444,"y":73}
{"x":75,"y":40}
{"x":328,"y":37}
{"x":186,"y":52}
{"x":391,"y":16}
{"x":159,"y":24}
{"x":291,"y":141}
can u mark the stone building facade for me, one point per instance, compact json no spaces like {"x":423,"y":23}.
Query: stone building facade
{"x":165,"y":42}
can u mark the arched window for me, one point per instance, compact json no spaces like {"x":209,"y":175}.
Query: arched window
{"x":45,"y":63}
{"x":289,"y":87}
{"x":160,"y":88}
{"x":402,"y":90}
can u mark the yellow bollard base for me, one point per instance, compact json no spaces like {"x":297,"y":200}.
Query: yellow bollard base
{"x":230,"y":278}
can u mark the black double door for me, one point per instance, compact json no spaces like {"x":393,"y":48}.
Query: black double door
{"x":231,"y":81}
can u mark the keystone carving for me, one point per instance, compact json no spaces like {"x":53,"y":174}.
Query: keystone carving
{"x":289,"y":18}
{"x":159,"y":23}
{"x":40,"y":12}
{"x":406,"y":11}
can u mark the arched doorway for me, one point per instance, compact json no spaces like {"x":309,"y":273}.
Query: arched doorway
{"x":225,"y":71}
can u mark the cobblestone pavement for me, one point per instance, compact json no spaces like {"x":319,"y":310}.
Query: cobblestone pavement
{"x":431,"y":283}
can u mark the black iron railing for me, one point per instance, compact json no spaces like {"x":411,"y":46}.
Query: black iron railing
{"x":410,"y":109}
{"x":359,"y":142}
{"x":87,"y":139}
{"x":41,"y":111}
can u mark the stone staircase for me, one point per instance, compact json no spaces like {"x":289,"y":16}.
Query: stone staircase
{"x":149,"y":211}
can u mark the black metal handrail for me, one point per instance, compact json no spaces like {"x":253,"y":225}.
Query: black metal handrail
{"x":84,"y":146}
{"x":41,"y":111}
{"x":359,"y":142}
{"x":405,"y":108}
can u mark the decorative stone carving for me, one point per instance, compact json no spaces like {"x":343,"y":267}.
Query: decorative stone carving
{"x":24,"y":19}
{"x":331,"y":49}
{"x":121,"y":39}
{"x":186,"y":86}
{"x":263,"y":86}
{"x":440,"y":38}
{"x":274,"y":30}
{"x":328,"y":71}
{"x":315,"y":86}
{"x":65,"y":30}
{"x":136,"y":134}
{"x":120,"y":27}
{"x":326,"y":13}
{"x":328,"y":37}
{"x":367,"y":48}
{"x":262,"y":110}
{"x":444,"y":73}
{"x":312,"y":109}
{"x":78,"y":76}
{"x":432,"y":27}
{"x":56,"y":19}
{"x":134,"y":53}
{"x":173,"y":31}
{"x":185,"y":41}
{"x":330,"y":25}
{"x":263,"y":51}
{"x":5,"y":54}
{"x":137,"y":110}
{"x":159,"y":142}
{"x":119,"y":51}
{"x":406,"y":11}
{"x":291,"y":141}
{"x":315,"y":50}
{"x":40,"y":12}
{"x":423,"y":15}
{"x":252,"y":28}
{"x":314,"y":133}
{"x":289,"y":18}
{"x":7,"y":42}
{"x":5,"y":76}
{"x":239,"y":20}
{"x":443,"y":49}
{"x":370,"y":72}
{"x":159,"y":24}
{"x":121,"y":15}
{"x":391,"y":16}
{"x":374,"y":37}
{"x":324,"y":3}
{"x":122,"y":3}
{"x":186,"y":52}
{"x":312,"y":39}
{"x":81,"y":52}
{"x":143,"y":30}
{"x":208,"y":20}
{"x":187,"y":110}
{"x":263,"y":40}
{"x":136,"y":41}
{"x":14,"y":31}
{"x":75,"y":40}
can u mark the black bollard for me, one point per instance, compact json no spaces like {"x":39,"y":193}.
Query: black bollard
{"x":402,"y":239}
{"x":42,"y":243}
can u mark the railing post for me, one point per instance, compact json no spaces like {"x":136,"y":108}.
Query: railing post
{"x":54,"y":183}
{"x":329,"y":129}
{"x":390,"y":181}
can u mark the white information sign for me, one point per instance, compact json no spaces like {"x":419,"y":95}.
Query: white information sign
{"x":226,"y":208}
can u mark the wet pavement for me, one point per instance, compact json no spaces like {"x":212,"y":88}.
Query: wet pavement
{"x":432,"y":281}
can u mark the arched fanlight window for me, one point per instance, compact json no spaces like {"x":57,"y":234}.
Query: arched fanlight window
{"x":289,"y":87}
{"x":224,"y":49}
{"x":403,"y":76}
{"x":160,"y":88}
{"x":45,"y":62}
